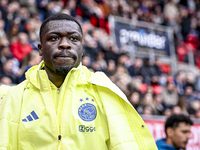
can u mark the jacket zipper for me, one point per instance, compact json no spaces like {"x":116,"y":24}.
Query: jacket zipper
{"x":62,"y":117}
{"x":59,"y":132}
{"x":57,"y":126}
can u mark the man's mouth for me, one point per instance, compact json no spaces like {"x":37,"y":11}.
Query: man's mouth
{"x":68,"y":55}
{"x":64,"y":59}
{"x":186,"y":142}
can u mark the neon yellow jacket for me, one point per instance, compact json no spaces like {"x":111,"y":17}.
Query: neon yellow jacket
{"x":88,"y":112}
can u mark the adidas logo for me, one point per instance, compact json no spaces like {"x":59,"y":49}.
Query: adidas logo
{"x":31,"y":117}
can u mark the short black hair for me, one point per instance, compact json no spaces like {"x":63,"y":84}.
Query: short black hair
{"x":58,"y":16}
{"x":174,"y":120}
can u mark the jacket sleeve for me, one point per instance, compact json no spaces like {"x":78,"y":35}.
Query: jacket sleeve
{"x":9,"y":120}
{"x":126,"y":128}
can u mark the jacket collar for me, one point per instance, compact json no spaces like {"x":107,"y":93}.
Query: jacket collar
{"x":37,"y":76}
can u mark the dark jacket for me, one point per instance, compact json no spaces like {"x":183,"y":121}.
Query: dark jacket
{"x":162,"y":145}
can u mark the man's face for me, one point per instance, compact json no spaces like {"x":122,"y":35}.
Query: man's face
{"x":180,"y":135}
{"x":61,"y":46}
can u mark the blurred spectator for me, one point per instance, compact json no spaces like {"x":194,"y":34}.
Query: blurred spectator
{"x":147,"y":71}
{"x":135,"y":67}
{"x":180,"y":81}
{"x":156,"y":66}
{"x":122,"y":78}
{"x":42,"y":7}
{"x":197,"y":114}
{"x":182,"y":103}
{"x":134,"y":99}
{"x":159,"y":106}
{"x":189,"y":94}
{"x":3,"y":9}
{"x":13,"y":32}
{"x":92,"y":46}
{"x":111,"y":51}
{"x":86,"y":60}
{"x":147,"y":102}
{"x":2,"y":31}
{"x":193,"y":107}
{"x":167,"y":112}
{"x":185,"y":22}
{"x":111,"y":67}
{"x":6,"y":80}
{"x":5,"y":54}
{"x":8,"y":70}
{"x":148,"y":110}
{"x":169,"y":94}
{"x":176,"y":110}
{"x":30,"y":5}
{"x":21,"y":48}
{"x":32,"y":59}
{"x":101,"y":60}
{"x":190,"y":80}
{"x":171,"y":12}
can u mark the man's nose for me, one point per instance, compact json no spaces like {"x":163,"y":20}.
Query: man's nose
{"x":64,"y":44}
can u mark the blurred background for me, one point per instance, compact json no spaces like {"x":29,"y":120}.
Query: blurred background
{"x":149,"y":48}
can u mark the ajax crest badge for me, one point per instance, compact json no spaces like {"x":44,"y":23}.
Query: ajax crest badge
{"x":87,"y":112}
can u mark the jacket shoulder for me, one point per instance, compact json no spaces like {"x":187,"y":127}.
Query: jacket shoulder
{"x":4,"y":89}
{"x":14,"y":91}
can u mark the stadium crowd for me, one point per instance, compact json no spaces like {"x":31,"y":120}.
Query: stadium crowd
{"x":150,"y":88}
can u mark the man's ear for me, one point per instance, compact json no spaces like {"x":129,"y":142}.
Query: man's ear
{"x":40,"y":49}
{"x":170,"y":132}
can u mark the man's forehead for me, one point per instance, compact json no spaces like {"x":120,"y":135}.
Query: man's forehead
{"x":62,"y":25}
{"x":183,"y":125}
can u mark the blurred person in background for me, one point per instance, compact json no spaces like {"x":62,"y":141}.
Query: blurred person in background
{"x":177,"y":130}
{"x":134,"y":68}
{"x":5,"y":80}
{"x":111,"y":51}
{"x":180,"y":81}
{"x":122,"y":78}
{"x":147,"y":101}
{"x":193,"y":108}
{"x":170,"y":94}
{"x":111,"y":68}
{"x":8,"y":70}
{"x":167,"y":112}
{"x":148,"y":110}
{"x":21,"y":47}
{"x":182,"y":103}
{"x":176,"y":110}
{"x":158,"y":102}
{"x":147,"y":71}
{"x":31,"y":60}
{"x":2,"y":27}
{"x":86,"y":61}
{"x":101,"y":60}
{"x":5,"y":54}
{"x":134,"y":98}
{"x":189,"y":94}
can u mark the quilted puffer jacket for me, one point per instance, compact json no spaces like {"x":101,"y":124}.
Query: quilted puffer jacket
{"x":88,"y":112}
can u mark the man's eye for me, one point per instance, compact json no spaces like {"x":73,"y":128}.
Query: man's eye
{"x":73,"y":38}
{"x":54,"y":38}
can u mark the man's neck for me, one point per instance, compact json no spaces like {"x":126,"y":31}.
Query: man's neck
{"x":56,"y":79}
{"x":169,"y":142}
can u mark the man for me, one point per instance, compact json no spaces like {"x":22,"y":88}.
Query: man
{"x":177,"y":129}
{"x":62,"y":105}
